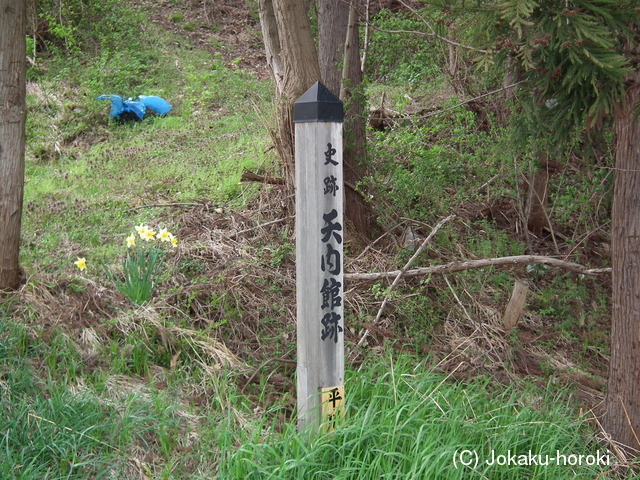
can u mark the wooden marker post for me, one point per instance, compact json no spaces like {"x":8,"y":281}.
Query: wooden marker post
{"x":318,"y":117}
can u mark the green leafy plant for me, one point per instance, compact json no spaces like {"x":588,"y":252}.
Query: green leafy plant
{"x":142,"y":264}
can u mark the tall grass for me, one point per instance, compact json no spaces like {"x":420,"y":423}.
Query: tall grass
{"x":407,"y":421}
{"x":50,"y":430}
{"x":45,"y":431}
{"x":403,"y":420}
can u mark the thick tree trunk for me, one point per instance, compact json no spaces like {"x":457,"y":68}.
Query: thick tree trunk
{"x":295,"y":66}
{"x":357,"y":211}
{"x":622,"y":404}
{"x":12,"y":136}
{"x":291,"y":54}
{"x":333,"y":18}
{"x":299,"y":57}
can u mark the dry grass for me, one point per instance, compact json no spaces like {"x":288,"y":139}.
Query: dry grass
{"x":229,"y":304}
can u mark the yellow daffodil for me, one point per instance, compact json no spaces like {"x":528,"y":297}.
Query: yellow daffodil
{"x":142,"y":231}
{"x":164,"y":235}
{"x":131,"y":241}
{"x":148,"y":235}
{"x":173,"y":240}
{"x":81,"y":263}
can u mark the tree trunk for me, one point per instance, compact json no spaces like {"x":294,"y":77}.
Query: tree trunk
{"x":510,"y":77}
{"x":295,"y":67}
{"x":299,"y":57}
{"x":622,"y":403}
{"x":12,"y":136}
{"x":291,"y":54}
{"x":357,"y":211}
{"x":538,"y":196}
{"x":333,"y":19}
{"x":271,"y":41}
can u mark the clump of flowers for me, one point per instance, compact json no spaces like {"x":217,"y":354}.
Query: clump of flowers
{"x":142,"y":264}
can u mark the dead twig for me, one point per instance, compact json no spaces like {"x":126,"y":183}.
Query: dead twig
{"x":440,"y":112}
{"x":455,"y":295}
{"x":629,"y":422}
{"x":587,"y":235}
{"x":233,"y":236}
{"x":370,"y":246}
{"x":433,"y":32}
{"x":382,"y":117}
{"x":174,"y":204}
{"x":282,"y":359}
{"x":401,"y":272}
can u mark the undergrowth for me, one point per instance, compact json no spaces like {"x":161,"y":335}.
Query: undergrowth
{"x":199,"y":380}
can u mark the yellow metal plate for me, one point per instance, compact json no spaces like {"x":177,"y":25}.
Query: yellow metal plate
{"x":332,"y":404}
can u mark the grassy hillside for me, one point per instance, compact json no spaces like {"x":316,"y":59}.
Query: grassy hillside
{"x":198,"y":382}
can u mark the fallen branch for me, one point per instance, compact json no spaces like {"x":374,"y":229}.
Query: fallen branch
{"x":248,"y":176}
{"x":460,"y":266}
{"x":166,"y":205}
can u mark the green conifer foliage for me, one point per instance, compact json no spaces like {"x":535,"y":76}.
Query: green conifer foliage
{"x":570,"y":54}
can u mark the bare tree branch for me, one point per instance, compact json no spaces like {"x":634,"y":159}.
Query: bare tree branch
{"x":403,"y":270}
{"x":460,"y":266}
{"x":432,"y":34}
{"x":248,"y":176}
{"x":440,"y":37}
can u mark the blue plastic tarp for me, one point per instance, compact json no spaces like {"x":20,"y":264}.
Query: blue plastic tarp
{"x":136,"y":107}
{"x":156,"y":104}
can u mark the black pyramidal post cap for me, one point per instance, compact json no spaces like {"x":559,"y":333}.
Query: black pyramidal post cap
{"x":318,"y":104}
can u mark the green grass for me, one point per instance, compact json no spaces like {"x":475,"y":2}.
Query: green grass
{"x":46,"y":431}
{"x":80,"y":422}
{"x":92,"y":192}
{"x":404,"y":420}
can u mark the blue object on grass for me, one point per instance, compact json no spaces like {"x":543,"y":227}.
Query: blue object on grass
{"x":135,"y":108}
{"x":156,"y":104}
